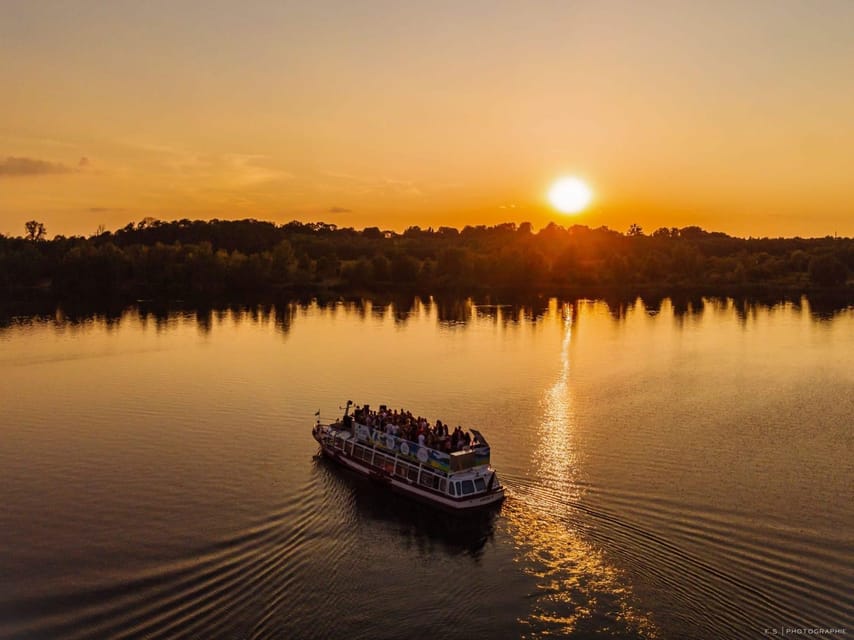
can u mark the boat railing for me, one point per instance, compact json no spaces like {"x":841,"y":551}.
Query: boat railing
{"x":446,"y":463}
{"x":417,"y":453}
{"x":394,"y":464}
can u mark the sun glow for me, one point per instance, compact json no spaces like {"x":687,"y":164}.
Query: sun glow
{"x":570,"y":195}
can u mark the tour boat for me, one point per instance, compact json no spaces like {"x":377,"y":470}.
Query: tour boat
{"x":459,"y":481}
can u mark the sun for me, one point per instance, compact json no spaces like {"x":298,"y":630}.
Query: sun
{"x":570,"y":195}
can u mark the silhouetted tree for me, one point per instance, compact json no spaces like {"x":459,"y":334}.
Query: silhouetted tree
{"x":382,"y":268}
{"x":224,"y":257}
{"x":827,"y":271}
{"x":35,"y":230}
{"x":404,"y":268}
{"x":359,"y":273}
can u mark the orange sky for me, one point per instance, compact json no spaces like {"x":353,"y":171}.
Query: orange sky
{"x":730,"y":115}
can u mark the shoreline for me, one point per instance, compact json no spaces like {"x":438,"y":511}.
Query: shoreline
{"x":43,"y":301}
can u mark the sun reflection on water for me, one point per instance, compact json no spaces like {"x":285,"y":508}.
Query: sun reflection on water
{"x":555,"y":457}
{"x":575,"y":582}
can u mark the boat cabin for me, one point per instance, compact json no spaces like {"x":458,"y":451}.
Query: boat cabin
{"x":459,"y":474}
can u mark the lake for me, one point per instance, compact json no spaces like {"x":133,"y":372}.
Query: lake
{"x":674,"y":470}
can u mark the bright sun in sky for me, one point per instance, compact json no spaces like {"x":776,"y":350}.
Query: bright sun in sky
{"x":570,"y":195}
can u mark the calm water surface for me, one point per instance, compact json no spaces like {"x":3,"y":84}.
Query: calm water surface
{"x":672,"y":473}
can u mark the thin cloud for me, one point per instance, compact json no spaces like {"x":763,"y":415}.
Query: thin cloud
{"x":13,"y":167}
{"x":402,"y":187}
{"x":104,"y":209}
{"x":370,"y":185}
{"x":228,"y":171}
{"x":338,"y":210}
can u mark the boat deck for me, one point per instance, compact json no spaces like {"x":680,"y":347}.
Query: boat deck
{"x":459,"y":480}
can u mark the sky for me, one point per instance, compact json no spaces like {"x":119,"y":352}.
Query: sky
{"x":737,"y":116}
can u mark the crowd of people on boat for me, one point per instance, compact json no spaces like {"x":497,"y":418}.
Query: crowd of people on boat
{"x":415,"y":428}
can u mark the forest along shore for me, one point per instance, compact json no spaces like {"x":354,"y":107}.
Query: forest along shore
{"x":198,"y":259}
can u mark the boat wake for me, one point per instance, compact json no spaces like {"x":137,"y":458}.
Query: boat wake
{"x":709,"y":574}
{"x":235,"y":586}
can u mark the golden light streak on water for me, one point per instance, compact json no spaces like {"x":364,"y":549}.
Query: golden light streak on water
{"x":575,"y":581}
{"x":556,"y":454}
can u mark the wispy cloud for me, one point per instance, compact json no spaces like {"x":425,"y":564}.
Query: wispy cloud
{"x":375,"y":186}
{"x":402,"y":187}
{"x":217,"y":170}
{"x":14,"y":167}
{"x":249,"y":169}
{"x":105,"y":209}
{"x":338,"y":210}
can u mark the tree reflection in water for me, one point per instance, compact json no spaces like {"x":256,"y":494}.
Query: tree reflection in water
{"x":449,"y":311}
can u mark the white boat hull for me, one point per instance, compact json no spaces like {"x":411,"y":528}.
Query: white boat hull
{"x":408,"y":488}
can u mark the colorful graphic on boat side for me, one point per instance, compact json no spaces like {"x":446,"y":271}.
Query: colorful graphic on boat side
{"x":481,"y":456}
{"x":405,"y":449}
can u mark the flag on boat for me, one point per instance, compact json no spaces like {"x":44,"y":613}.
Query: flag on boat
{"x":317,"y":413}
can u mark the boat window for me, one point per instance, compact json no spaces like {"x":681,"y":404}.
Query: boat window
{"x":442,"y":482}
{"x":468,"y":487}
{"x":479,"y":484}
{"x":453,"y":488}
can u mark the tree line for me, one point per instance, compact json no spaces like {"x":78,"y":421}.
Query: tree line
{"x":195,"y":258}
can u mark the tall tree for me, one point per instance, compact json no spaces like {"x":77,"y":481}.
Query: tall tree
{"x":35,"y":230}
